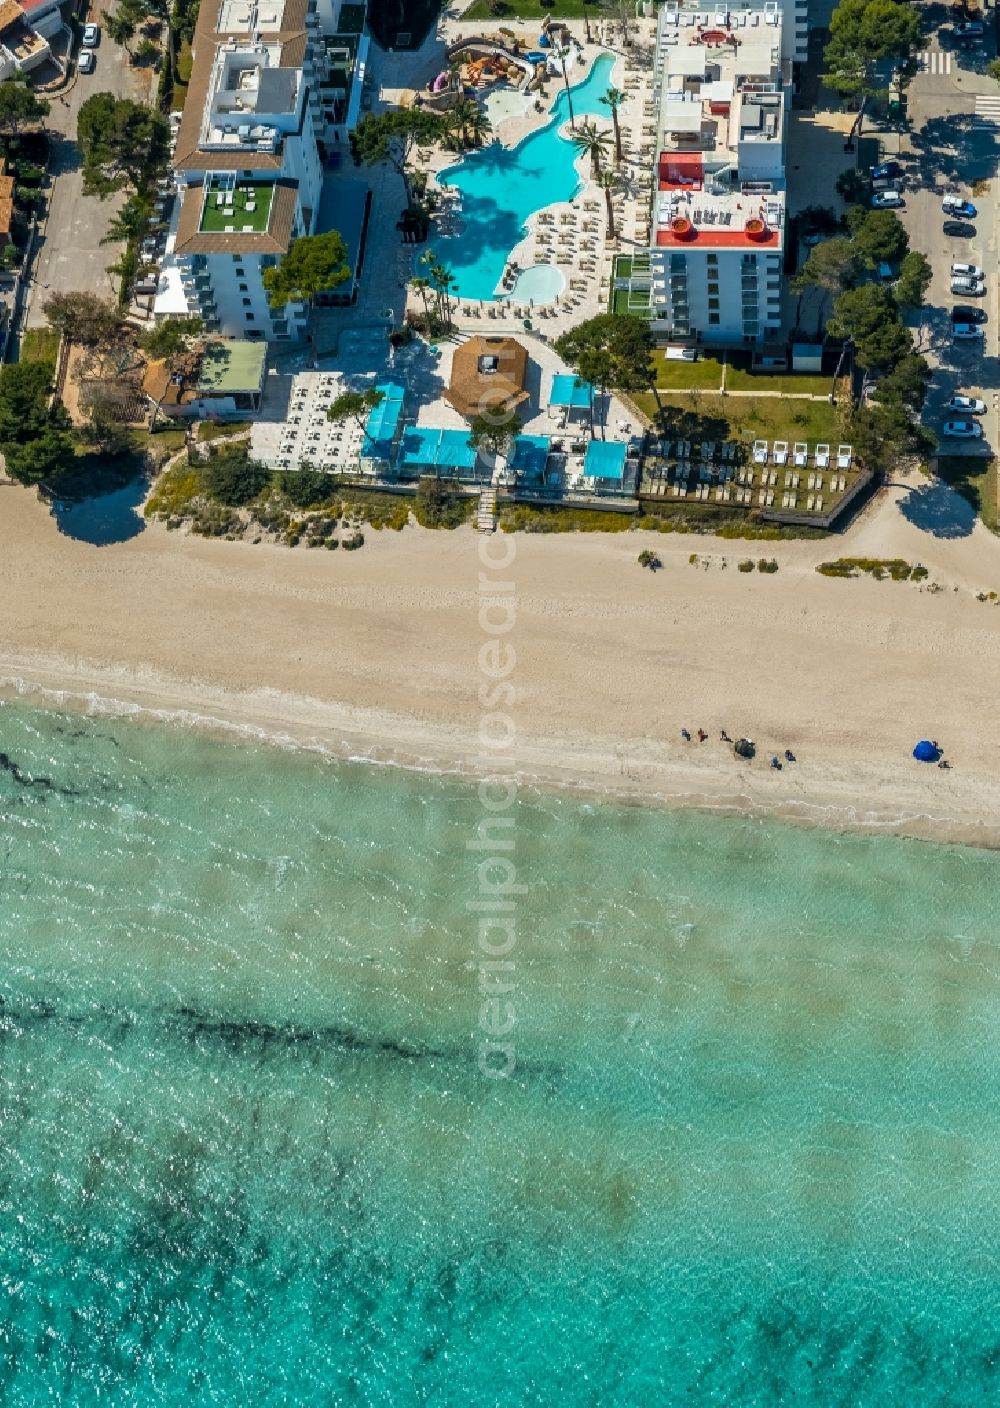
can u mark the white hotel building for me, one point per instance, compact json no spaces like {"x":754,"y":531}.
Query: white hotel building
{"x":274,"y":87}
{"x":713,"y":271}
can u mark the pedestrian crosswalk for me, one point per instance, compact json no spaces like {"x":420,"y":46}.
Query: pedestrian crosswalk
{"x":933,"y":61}
{"x":987,"y":110}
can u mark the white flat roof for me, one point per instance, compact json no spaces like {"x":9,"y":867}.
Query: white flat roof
{"x":691,"y":61}
{"x":680,"y":117}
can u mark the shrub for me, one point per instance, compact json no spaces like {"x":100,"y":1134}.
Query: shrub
{"x":174,"y":493}
{"x":332,"y":543}
{"x":767,"y":564}
{"x":351,"y":544}
{"x":746,"y":565}
{"x":306,"y":488}
{"x":437,"y":506}
{"x":232,"y":478}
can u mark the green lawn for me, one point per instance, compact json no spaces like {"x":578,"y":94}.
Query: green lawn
{"x":215,"y":220}
{"x":798,"y":383}
{"x":711,"y":417}
{"x":975,"y":478}
{"x":209,"y":430}
{"x":704,"y":375}
{"x":40,"y":345}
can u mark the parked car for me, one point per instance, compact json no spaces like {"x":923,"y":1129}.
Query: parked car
{"x":968,"y":313}
{"x":954,"y":205}
{"x":962,"y":284}
{"x":887,"y":200}
{"x":91,"y":36}
{"x":971,"y":29}
{"x":887,"y":171}
{"x":962,"y":430}
{"x":966,"y":405}
{"x":86,"y":62}
{"x":967,"y":271}
{"x":959,"y":229}
{"x":966,"y":330}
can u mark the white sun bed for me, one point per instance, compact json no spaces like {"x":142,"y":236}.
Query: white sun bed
{"x":760,"y":452}
{"x":822,"y":456}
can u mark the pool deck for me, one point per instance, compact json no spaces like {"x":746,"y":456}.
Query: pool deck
{"x":569,"y":234}
{"x":389,"y":264}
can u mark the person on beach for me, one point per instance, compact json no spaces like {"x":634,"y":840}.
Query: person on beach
{"x":702,"y":735}
{"x":724,"y":736}
{"x":789,"y":756}
{"x":685,"y":735}
{"x":776,"y":763}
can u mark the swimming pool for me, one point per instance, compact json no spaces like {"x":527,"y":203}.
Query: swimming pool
{"x":542,"y":283}
{"x":502,"y":187}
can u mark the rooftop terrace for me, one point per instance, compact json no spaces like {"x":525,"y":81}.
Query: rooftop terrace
{"x":244,"y":209}
{"x":719,"y":127}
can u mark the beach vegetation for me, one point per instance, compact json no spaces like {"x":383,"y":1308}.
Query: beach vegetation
{"x":767,"y":565}
{"x":175,"y":492}
{"x":232,"y":478}
{"x":438,"y":506}
{"x":306,"y":487}
{"x":895,"y":568}
{"x":34,"y":435}
{"x":650,"y":559}
{"x":351,"y":544}
{"x":745,"y":566}
{"x":526,"y":518}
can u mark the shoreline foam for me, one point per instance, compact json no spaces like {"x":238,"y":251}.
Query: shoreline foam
{"x":334,"y":731}
{"x":374,"y":656}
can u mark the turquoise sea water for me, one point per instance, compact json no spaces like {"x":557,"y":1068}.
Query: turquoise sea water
{"x":749,"y":1152}
{"x":503,"y":186}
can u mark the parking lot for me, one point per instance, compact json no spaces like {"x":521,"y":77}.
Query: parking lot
{"x":952,"y":143}
{"x":70,"y":255}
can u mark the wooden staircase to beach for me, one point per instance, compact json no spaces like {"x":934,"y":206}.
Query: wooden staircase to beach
{"x":486,"y":516}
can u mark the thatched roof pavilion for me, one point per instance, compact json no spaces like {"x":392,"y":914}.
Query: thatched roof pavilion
{"x":488,"y":374}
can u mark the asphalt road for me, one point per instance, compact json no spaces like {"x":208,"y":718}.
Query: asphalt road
{"x":70,"y":255}
{"x":953,"y":143}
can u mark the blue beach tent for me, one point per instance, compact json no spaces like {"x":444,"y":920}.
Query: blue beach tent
{"x":925,"y":752}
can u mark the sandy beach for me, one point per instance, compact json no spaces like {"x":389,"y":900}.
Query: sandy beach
{"x":376,"y":654}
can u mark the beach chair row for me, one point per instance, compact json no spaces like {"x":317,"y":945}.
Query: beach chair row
{"x":765,"y":453}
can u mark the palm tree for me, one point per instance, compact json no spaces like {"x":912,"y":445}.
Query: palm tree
{"x":613,"y":99}
{"x":594,"y":143}
{"x":478,"y":126}
{"x":420,"y":286}
{"x":607,"y":182}
{"x":560,"y":54}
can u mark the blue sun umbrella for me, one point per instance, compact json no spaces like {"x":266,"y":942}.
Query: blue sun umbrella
{"x":926,"y":752}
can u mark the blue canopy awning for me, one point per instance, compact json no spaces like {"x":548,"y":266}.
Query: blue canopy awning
{"x":605,"y":460}
{"x":383,"y":422}
{"x":424,"y":448}
{"x":529,"y":455}
{"x":926,"y":752}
